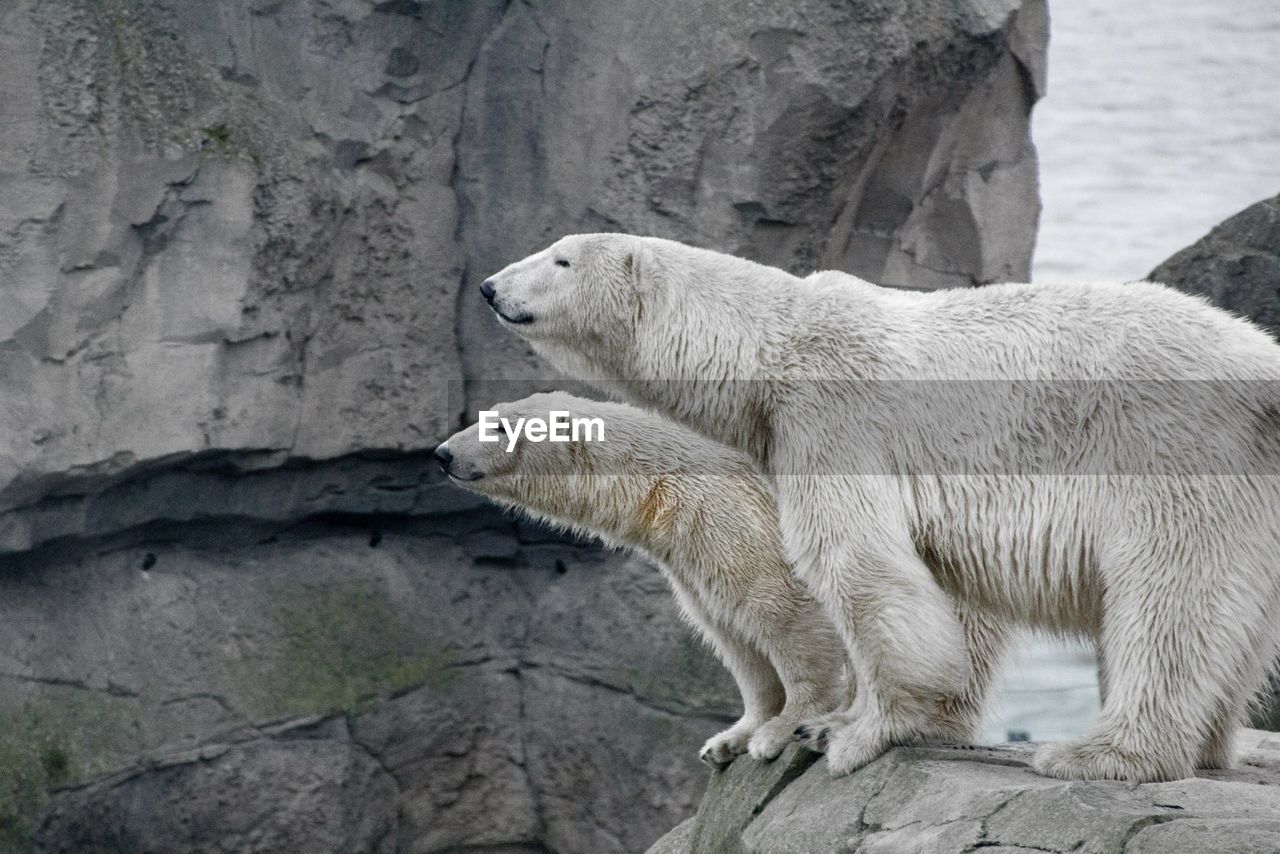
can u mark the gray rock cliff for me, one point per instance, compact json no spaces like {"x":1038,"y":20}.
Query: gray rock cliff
{"x":238,"y":250}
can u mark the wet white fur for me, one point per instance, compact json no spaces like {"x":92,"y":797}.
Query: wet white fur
{"x":924,"y":572}
{"x":704,"y":515}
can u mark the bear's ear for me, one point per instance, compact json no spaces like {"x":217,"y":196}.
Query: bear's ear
{"x":641,"y":267}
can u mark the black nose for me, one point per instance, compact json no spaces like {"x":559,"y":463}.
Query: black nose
{"x":444,"y":456}
{"x":487,"y":289}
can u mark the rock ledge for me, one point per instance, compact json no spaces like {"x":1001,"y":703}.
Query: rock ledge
{"x":948,"y":799}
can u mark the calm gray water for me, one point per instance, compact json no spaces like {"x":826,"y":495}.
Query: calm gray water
{"x":1161,"y":120}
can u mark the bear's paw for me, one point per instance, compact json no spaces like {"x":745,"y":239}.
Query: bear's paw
{"x":853,"y":746}
{"x":1096,"y":758}
{"x":771,"y":739}
{"x":721,"y":749}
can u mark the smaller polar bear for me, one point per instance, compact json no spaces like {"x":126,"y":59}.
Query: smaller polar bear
{"x":705,"y":516}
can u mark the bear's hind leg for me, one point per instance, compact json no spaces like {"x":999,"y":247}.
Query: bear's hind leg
{"x":1218,"y":751}
{"x":1182,"y":645}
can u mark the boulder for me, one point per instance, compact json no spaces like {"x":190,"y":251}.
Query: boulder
{"x":947,"y":800}
{"x":238,"y":256}
{"x":1236,"y":265}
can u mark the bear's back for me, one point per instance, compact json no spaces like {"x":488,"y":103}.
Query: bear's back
{"x":1136,"y":330}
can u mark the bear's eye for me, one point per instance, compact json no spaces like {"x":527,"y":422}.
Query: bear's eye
{"x":562,"y":262}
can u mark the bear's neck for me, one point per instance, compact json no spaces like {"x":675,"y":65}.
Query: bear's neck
{"x":713,"y":360}
{"x":624,"y":509}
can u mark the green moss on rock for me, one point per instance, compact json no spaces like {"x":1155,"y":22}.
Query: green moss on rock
{"x":346,"y":646}
{"x":45,"y":745}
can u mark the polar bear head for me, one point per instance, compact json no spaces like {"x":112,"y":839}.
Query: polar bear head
{"x":614,"y":471}
{"x":581,"y":464}
{"x":493,"y":455}
{"x":542,"y":454}
{"x":683,"y":330}
{"x":610,"y":309}
{"x":582,"y":287}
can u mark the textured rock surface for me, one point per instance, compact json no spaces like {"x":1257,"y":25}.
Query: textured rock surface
{"x":238,"y":249}
{"x":1236,"y":265}
{"x":888,"y":141}
{"x":936,"y":800}
{"x":333,"y":687}
{"x":247,"y":230}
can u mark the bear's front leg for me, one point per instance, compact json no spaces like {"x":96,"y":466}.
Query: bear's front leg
{"x":762,"y":690}
{"x":775,"y":734}
{"x":907,"y":646}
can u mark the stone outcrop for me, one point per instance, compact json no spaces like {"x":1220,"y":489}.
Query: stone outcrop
{"x":1236,"y":265}
{"x":238,"y":250}
{"x":940,"y":800}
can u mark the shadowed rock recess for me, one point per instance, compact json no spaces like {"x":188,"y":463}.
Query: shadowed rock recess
{"x":939,"y":800}
{"x":238,"y":249}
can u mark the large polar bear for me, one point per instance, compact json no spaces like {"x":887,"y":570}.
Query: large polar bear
{"x":704,"y":515}
{"x":943,"y":473}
